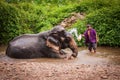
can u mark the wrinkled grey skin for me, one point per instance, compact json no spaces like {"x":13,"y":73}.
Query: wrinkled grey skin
{"x":35,"y":46}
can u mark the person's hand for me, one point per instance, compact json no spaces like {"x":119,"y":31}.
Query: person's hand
{"x":82,"y":35}
{"x":79,"y":37}
{"x":97,"y":39}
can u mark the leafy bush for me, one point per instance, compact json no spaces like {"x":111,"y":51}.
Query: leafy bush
{"x":33,"y":16}
{"x":106,"y":22}
{"x":9,"y":18}
{"x":92,"y":5}
{"x":105,"y":18}
{"x":27,"y":16}
{"x":15,"y":21}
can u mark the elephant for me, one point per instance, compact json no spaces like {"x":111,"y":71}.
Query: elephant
{"x":48,"y":44}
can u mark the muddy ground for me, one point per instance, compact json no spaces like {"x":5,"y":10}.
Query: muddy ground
{"x":104,"y":65}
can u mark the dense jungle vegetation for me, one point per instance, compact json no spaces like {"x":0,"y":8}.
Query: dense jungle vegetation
{"x":33,"y":16}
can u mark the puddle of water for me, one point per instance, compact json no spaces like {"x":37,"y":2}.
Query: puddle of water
{"x":104,"y":55}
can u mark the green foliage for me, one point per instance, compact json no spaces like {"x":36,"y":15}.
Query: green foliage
{"x":13,"y":22}
{"x":105,"y":18}
{"x":92,"y":5}
{"x":106,"y":22}
{"x":33,"y":16}
{"x":27,"y":16}
{"x":9,"y":19}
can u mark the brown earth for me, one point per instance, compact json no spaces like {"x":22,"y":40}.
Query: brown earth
{"x":57,"y":71}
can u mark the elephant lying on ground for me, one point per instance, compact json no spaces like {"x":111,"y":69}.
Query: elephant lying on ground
{"x":46,"y":44}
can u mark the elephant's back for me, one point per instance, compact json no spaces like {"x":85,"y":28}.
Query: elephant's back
{"x":29,"y":39}
{"x":25,"y":41}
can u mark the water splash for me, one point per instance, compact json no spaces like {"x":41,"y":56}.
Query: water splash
{"x":74,"y":31}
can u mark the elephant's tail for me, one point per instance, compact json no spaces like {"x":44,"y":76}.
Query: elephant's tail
{"x":8,"y":50}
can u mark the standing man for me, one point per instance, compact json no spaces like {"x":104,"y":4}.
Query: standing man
{"x":90,"y":38}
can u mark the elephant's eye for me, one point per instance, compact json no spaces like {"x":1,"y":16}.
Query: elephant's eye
{"x":67,"y":39}
{"x":62,"y":32}
{"x":53,"y":33}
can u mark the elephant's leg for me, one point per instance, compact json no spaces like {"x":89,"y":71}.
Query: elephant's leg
{"x":62,"y":56}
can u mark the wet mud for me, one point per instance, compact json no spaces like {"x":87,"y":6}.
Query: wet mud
{"x":104,"y":65}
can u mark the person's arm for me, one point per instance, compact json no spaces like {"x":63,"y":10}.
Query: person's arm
{"x":83,"y":35}
{"x":97,"y":39}
{"x":96,"y":36}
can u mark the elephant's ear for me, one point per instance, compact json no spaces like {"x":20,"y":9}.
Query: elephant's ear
{"x":52,"y":43}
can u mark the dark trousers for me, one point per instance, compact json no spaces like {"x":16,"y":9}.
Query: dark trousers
{"x":92,"y":46}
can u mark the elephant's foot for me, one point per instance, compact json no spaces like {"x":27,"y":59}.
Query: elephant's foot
{"x":62,"y":56}
{"x":69,"y":56}
{"x":67,"y":53}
